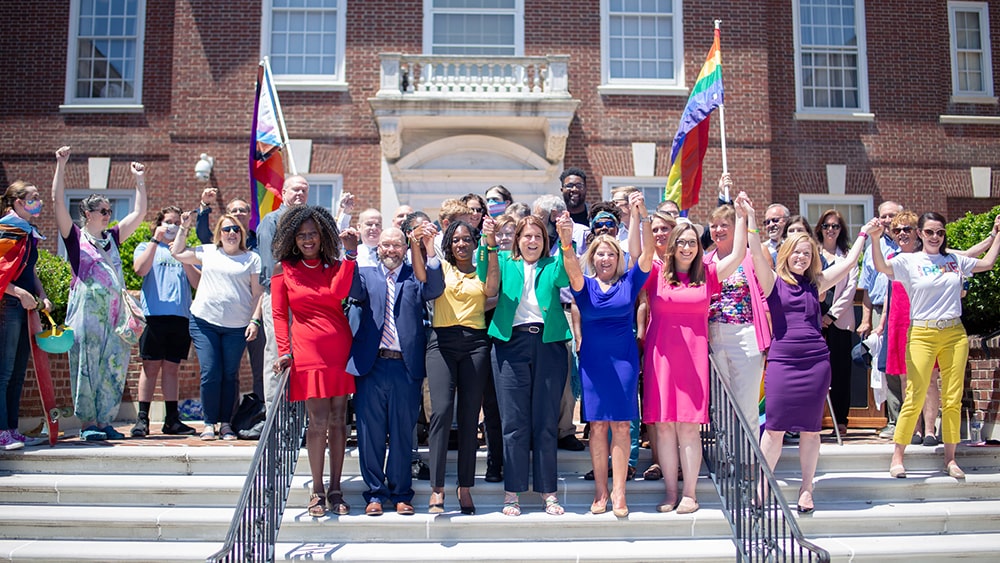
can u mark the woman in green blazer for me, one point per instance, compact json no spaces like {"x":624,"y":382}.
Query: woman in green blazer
{"x":530,"y":332}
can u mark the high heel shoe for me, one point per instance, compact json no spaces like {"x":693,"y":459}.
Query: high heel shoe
{"x":805,"y":508}
{"x":436,"y":507}
{"x":466,"y":508}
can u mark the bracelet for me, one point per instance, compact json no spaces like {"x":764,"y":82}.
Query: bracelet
{"x":256,"y":322}
{"x":289,"y":356}
{"x":492,"y":248}
{"x":351,"y":254}
{"x":754,"y":231}
{"x":991,"y":235}
{"x":863,"y":234}
{"x":566,"y":247}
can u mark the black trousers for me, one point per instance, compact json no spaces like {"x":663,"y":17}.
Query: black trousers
{"x":458,"y":359}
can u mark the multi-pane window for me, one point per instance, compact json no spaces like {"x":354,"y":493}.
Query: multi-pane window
{"x":831,"y":55}
{"x":474,"y":27}
{"x":856,"y":209}
{"x":642,"y":40}
{"x":105,"y":52}
{"x":971,"y":67}
{"x":304,"y":39}
{"x":324,"y":190}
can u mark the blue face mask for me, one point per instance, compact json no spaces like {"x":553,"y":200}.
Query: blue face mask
{"x":33,"y":207}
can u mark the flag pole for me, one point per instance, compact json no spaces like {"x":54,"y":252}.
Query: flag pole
{"x":722,"y":132}
{"x":281,"y":120}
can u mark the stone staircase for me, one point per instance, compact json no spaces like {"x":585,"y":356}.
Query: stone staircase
{"x":174,"y":503}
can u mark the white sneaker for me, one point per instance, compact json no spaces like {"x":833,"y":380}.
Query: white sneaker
{"x":8,"y":442}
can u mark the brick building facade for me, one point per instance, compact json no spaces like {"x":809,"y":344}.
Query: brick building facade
{"x":907,"y":123}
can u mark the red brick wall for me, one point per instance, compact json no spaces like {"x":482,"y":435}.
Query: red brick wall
{"x":982,"y":379}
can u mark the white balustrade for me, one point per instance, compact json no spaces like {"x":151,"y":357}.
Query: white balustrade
{"x":473,"y":76}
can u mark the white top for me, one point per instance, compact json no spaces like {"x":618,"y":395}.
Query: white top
{"x":224,"y":295}
{"x":528,"y":310}
{"x":367,"y":256}
{"x":933,"y":283}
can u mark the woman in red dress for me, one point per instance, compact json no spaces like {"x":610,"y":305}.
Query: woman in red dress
{"x":309,"y":282}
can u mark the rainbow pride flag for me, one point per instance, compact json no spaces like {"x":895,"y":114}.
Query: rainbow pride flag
{"x":267,"y":167}
{"x":691,"y":141}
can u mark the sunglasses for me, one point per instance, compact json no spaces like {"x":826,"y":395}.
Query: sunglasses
{"x":231,"y":229}
{"x":831,"y":227}
{"x":102,"y":211}
{"x":773,"y":220}
{"x":932,"y":233}
{"x":478,"y":210}
{"x":604,"y":225}
{"x":905,"y":229}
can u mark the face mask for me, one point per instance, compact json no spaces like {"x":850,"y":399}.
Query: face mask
{"x":33,"y":207}
{"x":496,"y":208}
{"x":171,"y":232}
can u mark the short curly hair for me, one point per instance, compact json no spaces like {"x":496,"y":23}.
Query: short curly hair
{"x":449,"y":233}
{"x":285,"y":248}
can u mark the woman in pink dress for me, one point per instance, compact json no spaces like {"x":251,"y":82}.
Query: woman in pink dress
{"x":675,"y":393}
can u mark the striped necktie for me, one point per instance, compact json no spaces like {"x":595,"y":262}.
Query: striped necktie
{"x":389,"y":320}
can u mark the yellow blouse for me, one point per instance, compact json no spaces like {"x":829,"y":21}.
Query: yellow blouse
{"x":463,"y":302}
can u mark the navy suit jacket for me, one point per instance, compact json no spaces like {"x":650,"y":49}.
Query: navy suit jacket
{"x":368,"y":294}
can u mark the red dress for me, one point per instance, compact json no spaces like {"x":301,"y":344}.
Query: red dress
{"x":321,"y":335}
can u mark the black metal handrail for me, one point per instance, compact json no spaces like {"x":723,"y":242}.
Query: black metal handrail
{"x":764,"y":528}
{"x":257,"y":517}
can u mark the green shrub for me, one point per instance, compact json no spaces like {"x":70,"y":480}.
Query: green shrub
{"x":981,"y":306}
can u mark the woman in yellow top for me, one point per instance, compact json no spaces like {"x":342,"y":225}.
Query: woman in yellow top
{"x":458,"y":357}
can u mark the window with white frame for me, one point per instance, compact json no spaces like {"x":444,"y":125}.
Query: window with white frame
{"x":971,"y":65}
{"x":305,"y":40}
{"x":642,"y":42}
{"x":652,"y":188}
{"x":474,"y":27}
{"x":856,"y":209}
{"x":830,"y":56}
{"x":122,"y":203}
{"x":324,"y":190}
{"x":105,"y":53}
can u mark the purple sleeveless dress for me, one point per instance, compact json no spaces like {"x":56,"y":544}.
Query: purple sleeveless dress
{"x":798,"y":365}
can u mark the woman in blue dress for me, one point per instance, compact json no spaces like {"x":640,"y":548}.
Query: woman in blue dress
{"x":609,"y":357}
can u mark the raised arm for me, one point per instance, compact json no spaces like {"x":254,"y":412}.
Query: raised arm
{"x":641,"y":221}
{"x":131,"y":222}
{"x":983,"y":245}
{"x":179,"y":249}
{"x":203,"y":226}
{"x":634,"y":239}
{"x":564,"y":226}
{"x":830,"y":276}
{"x":986,"y":263}
{"x":762,"y":265}
{"x":493,"y":261}
{"x":63,"y":219}
{"x":729,"y":264}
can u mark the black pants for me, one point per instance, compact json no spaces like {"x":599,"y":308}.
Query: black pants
{"x":839,"y":342}
{"x":458,"y":358}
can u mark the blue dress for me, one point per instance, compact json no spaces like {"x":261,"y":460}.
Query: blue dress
{"x":609,"y":357}
{"x":798,"y":365}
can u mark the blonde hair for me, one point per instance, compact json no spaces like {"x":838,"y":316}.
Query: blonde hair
{"x":785,"y":251}
{"x":452,"y":208}
{"x":217,"y":233}
{"x":587,"y":260}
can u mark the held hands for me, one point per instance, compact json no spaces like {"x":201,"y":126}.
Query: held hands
{"x":489,"y":231}
{"x":62,"y":154}
{"x":744,"y":208}
{"x":350,"y":238}
{"x":187,"y":220}
{"x":873,"y":228}
{"x":637,"y":204}
{"x":564,"y":226}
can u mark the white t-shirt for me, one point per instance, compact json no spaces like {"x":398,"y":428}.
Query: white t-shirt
{"x":224,"y":295}
{"x":933,"y":283}
{"x":528,"y":310}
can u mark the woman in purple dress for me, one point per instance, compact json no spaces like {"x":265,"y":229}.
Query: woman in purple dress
{"x":609,"y":356}
{"x":798,"y":364}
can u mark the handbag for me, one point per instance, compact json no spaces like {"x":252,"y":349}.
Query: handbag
{"x":133,"y":322}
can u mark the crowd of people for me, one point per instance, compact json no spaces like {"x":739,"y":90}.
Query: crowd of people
{"x":496,"y":312}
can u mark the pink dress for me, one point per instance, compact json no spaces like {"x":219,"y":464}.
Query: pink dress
{"x":675,"y":384}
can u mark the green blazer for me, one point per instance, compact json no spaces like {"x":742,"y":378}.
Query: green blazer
{"x":550,"y":275}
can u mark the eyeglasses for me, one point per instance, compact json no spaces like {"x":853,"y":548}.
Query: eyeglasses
{"x":831,"y":227}
{"x":239,"y":210}
{"x":103,"y":211}
{"x":773,"y":220}
{"x":689,"y":243}
{"x":604,"y":225}
{"x":897,"y":230}
{"x":574,"y":185}
{"x":233,"y":229}
{"x":932,"y":233}
{"x":478,"y":210}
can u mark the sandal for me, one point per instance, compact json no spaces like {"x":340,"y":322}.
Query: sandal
{"x":316,"y":507}
{"x":227,"y":432}
{"x":335,"y":501}
{"x":208,"y":434}
{"x":552,"y":505}
{"x":654,"y":473}
{"x":511,"y":504}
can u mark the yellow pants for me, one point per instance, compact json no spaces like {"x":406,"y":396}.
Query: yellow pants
{"x":950,"y":348}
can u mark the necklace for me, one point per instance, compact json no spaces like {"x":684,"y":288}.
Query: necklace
{"x":306,"y":264}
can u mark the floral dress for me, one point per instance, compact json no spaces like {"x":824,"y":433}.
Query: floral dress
{"x":99,"y":358}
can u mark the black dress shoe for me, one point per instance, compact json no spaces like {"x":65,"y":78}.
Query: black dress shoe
{"x":571,"y":443}
{"x":494,"y":473}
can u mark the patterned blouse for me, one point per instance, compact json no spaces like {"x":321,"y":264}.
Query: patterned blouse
{"x":732,"y":304}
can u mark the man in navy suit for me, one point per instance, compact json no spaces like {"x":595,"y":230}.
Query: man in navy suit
{"x":387,"y":355}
